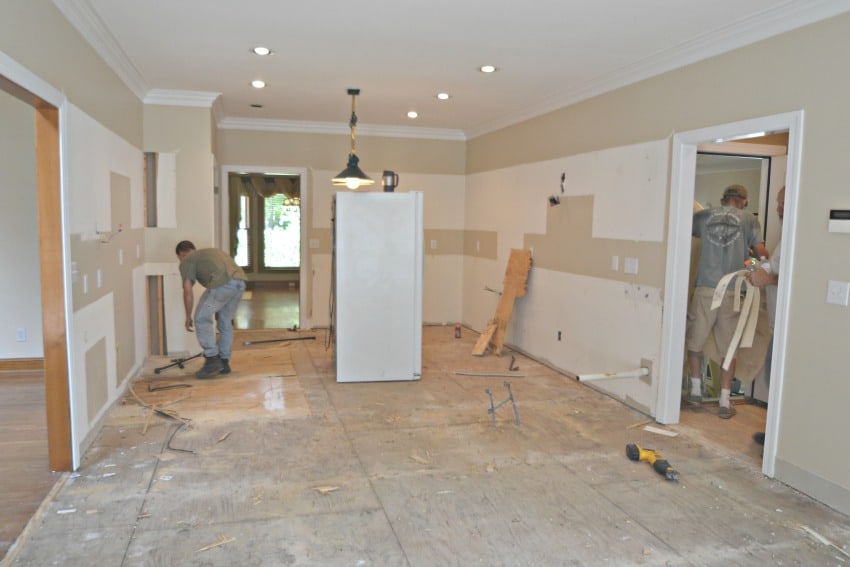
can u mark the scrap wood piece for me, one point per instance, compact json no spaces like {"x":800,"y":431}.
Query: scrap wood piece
{"x":418,"y":459}
{"x":514,"y":285}
{"x":659,"y":431}
{"x":326,"y":489}
{"x":221,"y":541}
{"x":640,"y":424}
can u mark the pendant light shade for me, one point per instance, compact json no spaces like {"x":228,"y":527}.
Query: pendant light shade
{"x":352,"y":176}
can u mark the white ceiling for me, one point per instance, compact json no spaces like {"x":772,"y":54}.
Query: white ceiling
{"x":400,"y":53}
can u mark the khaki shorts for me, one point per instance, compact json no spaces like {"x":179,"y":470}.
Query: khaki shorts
{"x":702,"y":320}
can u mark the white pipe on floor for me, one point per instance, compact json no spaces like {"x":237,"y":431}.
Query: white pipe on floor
{"x":637,"y":373}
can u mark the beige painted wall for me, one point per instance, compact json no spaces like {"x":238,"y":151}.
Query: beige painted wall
{"x":38,"y":36}
{"x":20,"y":289}
{"x":798,"y":70}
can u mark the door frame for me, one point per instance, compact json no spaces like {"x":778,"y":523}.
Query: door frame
{"x":49,"y":117}
{"x":304,"y":321}
{"x":683,"y":173}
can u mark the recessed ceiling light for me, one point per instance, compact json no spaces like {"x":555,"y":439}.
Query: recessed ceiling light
{"x":412,"y":114}
{"x":258,"y":84}
{"x":487,"y":68}
{"x":443,"y":96}
{"x":262,"y":51}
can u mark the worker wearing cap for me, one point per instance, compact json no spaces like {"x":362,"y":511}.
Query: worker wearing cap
{"x":727,"y":236}
{"x":224,"y":282}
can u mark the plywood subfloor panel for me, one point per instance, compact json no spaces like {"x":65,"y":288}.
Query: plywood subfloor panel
{"x":415,"y":473}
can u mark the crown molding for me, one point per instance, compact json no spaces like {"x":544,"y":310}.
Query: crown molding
{"x":792,"y":15}
{"x":83,"y":18}
{"x":301,"y":127}
{"x":166,"y":97}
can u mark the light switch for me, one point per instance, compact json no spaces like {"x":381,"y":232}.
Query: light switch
{"x":433,"y":244}
{"x":615,"y":263}
{"x":314,"y":243}
{"x":631,"y":266}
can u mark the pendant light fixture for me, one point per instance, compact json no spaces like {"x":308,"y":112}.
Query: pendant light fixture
{"x":352,"y":176}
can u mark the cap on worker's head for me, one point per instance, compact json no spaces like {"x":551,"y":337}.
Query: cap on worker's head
{"x":737,"y":191}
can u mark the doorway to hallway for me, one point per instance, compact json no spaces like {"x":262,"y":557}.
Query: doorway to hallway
{"x":683,"y":171}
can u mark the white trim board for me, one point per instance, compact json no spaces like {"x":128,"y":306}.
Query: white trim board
{"x":683,"y":169}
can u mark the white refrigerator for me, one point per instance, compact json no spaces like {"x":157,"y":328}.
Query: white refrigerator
{"x":378,"y":262}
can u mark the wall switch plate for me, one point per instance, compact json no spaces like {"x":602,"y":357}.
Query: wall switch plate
{"x":631,"y":266}
{"x":21,"y":335}
{"x":615,"y":263}
{"x":99,"y":278}
{"x":314,"y":243}
{"x":838,"y":293}
{"x":433,"y":244}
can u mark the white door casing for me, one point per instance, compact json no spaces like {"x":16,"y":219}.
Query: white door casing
{"x":683,"y":169}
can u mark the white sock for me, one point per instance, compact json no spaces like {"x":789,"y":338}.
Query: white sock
{"x":724,"y":397}
{"x":696,"y":386}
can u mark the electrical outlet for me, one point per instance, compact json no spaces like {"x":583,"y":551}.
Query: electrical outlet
{"x":646,"y":363}
{"x":837,"y":293}
{"x":21,"y":335}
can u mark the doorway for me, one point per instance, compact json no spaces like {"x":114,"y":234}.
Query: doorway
{"x":40,"y":395}
{"x":46,"y":118}
{"x":683,"y":173}
{"x":263,"y":227}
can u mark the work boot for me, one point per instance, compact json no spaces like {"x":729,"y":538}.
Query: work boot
{"x":726,"y":412}
{"x":212,"y":366}
{"x":225,"y":369}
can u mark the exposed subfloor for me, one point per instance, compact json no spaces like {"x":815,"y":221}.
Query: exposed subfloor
{"x":281,"y":465}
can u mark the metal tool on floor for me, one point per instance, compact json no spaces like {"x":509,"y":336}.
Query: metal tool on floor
{"x":653,"y":457}
{"x":247,"y":343}
{"x":493,"y":407}
{"x":178,"y":362}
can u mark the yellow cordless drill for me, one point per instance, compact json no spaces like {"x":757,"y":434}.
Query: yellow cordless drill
{"x":654,"y":458}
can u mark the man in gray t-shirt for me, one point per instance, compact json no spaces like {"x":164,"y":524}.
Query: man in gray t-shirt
{"x":224,"y":282}
{"x":727,"y":234}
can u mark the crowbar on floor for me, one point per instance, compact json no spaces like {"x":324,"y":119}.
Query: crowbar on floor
{"x":246,"y":343}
